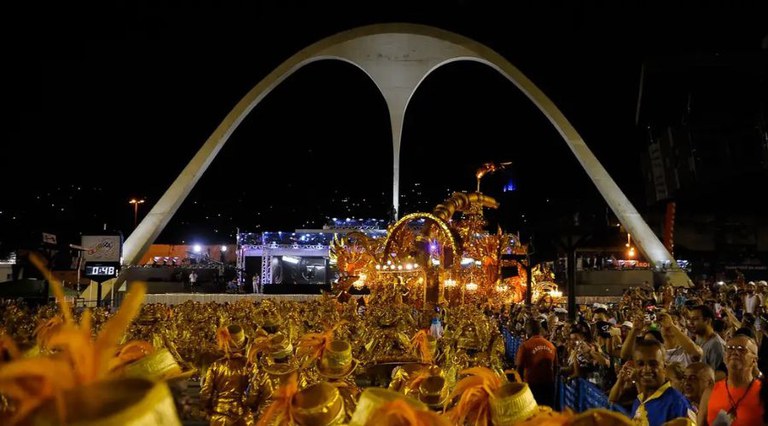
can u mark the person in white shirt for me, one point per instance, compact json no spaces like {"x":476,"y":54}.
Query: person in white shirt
{"x":192,"y":280}
{"x":752,"y":301}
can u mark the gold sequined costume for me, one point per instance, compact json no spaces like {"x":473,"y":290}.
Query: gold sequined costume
{"x":271,"y":372}
{"x":222,"y":393}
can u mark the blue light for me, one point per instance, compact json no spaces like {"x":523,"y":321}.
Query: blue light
{"x":510,"y":186}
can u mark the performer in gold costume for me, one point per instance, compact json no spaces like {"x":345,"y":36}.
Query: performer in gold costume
{"x":270,"y":372}
{"x":320,"y":404}
{"x":336,"y":367}
{"x":386,"y":336}
{"x":473,"y":342}
{"x":406,"y":378}
{"x":153,"y":326}
{"x":222,"y":393}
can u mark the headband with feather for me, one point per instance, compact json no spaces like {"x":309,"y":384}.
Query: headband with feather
{"x":475,"y":392}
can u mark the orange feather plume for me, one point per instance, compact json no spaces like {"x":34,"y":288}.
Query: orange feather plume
{"x":82,"y":359}
{"x":420,"y":343}
{"x":311,"y":346}
{"x":29,"y":382}
{"x":223,"y":339}
{"x":279,"y":412}
{"x":130,"y":352}
{"x":475,"y":392}
{"x":58,"y":288}
{"x":401,"y":413}
{"x":45,"y":329}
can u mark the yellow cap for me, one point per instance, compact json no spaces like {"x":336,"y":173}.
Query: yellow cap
{"x":122,"y":402}
{"x":318,"y":405}
{"x":513,"y":403}
{"x":159,"y":365}
{"x":337,"y":361}
{"x":373,"y":398}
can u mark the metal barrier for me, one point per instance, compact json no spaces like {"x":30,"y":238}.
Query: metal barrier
{"x":511,"y":345}
{"x":580,"y":395}
{"x":577,"y":394}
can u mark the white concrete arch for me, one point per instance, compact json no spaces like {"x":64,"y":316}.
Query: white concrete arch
{"x":397,"y":58}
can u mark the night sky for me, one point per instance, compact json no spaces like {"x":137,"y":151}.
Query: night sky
{"x":107,"y":103}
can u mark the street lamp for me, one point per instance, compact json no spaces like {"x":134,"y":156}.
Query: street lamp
{"x":135,"y":203}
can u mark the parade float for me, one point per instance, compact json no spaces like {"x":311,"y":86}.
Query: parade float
{"x":445,"y":257}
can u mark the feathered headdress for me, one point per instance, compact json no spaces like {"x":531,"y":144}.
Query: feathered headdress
{"x":224,"y":340}
{"x":130,"y":352}
{"x":279,"y":412}
{"x":475,"y":391}
{"x":311,"y":346}
{"x":420,"y":343}
{"x":45,"y":329}
{"x":401,"y":413}
{"x":81,"y":361}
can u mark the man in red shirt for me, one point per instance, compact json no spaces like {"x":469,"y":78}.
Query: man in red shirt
{"x":536,"y":362}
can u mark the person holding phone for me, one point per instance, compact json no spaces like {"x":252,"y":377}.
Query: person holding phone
{"x":587,"y":360}
{"x":625,"y":390}
{"x":679,"y":347}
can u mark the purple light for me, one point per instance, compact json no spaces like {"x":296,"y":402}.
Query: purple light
{"x":433,"y":247}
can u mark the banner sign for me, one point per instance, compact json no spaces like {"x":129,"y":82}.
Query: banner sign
{"x":102,"y":248}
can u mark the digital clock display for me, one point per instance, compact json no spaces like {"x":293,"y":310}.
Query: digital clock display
{"x":101,"y":271}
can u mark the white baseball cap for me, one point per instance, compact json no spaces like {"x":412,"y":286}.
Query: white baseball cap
{"x":627,"y":324}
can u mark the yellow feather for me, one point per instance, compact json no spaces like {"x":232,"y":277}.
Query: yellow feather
{"x":29,"y":382}
{"x":130,"y":352}
{"x":45,"y":329}
{"x":114,"y":329}
{"x":223,"y":339}
{"x":86,"y":320}
{"x":475,"y":391}
{"x":77,"y":345}
{"x":58,"y":289}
